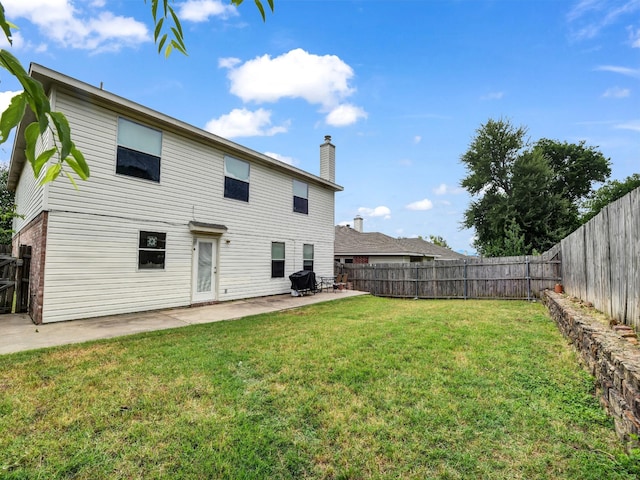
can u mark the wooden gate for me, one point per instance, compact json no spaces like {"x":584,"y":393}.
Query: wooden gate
{"x":7,"y":282}
{"x":14,"y":279}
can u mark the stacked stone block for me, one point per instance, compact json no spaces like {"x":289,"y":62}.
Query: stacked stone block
{"x":612,"y":355}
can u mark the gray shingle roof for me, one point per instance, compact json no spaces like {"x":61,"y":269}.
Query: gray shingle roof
{"x":351,"y":242}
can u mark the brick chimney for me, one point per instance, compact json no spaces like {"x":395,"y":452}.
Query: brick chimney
{"x":358,"y":224}
{"x":328,"y":160}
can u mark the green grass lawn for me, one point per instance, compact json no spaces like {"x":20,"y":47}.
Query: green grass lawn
{"x":357,"y":388}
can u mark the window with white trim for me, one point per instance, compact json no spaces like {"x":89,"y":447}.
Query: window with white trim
{"x":307,"y":257}
{"x":139,"y":150}
{"x":236,"y":179}
{"x":152,"y":249}
{"x":300,"y":197}
{"x":277,"y":259}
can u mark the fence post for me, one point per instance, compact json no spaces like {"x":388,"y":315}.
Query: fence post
{"x":375,"y":280}
{"x":526,"y":259}
{"x":465,"y":279}
{"x":416,"y":297}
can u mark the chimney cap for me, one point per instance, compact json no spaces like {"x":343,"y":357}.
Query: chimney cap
{"x":327,"y":138}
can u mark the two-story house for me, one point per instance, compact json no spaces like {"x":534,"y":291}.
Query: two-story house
{"x":171,"y":216}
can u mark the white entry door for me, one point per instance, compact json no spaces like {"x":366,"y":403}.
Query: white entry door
{"x":204,"y":270}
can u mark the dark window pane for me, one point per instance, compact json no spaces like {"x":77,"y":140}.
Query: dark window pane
{"x":151,"y":259}
{"x":307,"y":265}
{"x":236,"y":189}
{"x":138,"y":164}
{"x":155,"y":240}
{"x":277,"y":268}
{"x":300,"y":205}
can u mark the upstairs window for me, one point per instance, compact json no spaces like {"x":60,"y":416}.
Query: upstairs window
{"x":236,"y":179}
{"x":152,"y":250}
{"x":300,"y":197}
{"x":277,"y":260}
{"x":139,"y":150}
{"x":307,"y":257}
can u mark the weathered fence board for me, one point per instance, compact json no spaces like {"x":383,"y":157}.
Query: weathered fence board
{"x":601,"y":260}
{"x":7,"y":282}
{"x":505,"y":278}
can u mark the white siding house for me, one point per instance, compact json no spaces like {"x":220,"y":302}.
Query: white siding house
{"x":171,"y":216}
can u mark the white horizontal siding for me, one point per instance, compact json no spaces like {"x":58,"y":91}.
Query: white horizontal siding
{"x":92,"y":268}
{"x":91,"y":263}
{"x":30,"y":195}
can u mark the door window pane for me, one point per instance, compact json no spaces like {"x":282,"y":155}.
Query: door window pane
{"x":205,"y":266}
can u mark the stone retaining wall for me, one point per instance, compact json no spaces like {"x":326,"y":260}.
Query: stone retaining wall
{"x":612,"y":356}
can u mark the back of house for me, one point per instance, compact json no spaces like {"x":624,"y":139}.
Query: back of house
{"x":171,"y":216}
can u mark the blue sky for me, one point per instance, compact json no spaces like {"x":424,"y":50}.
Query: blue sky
{"x":400,"y":85}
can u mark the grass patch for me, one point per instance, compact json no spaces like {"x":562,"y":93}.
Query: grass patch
{"x":357,"y":388}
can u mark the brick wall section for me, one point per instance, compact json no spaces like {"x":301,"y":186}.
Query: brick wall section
{"x":35,"y":235}
{"x":612,"y":359}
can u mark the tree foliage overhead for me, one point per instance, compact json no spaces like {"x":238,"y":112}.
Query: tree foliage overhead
{"x":609,"y":192}
{"x":526,"y":196}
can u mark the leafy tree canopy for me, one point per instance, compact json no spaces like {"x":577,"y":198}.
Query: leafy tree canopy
{"x":7,"y":207}
{"x":609,"y":192}
{"x":526,"y":196}
{"x":438,"y":240}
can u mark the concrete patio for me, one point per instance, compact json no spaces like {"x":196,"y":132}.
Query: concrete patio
{"x":18,"y":333}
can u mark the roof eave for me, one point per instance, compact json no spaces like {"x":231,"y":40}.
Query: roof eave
{"x":48,"y":78}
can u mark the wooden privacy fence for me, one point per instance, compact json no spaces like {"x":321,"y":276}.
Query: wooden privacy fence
{"x":7,"y":282}
{"x":519,"y":278}
{"x":601,"y":260}
{"x":14,"y":279}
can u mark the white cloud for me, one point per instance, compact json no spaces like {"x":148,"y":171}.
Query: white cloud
{"x":632,"y":125}
{"x":417,"y":139}
{"x":282,"y":158}
{"x":630,"y":72}
{"x":317,"y":79}
{"x":322,"y":80}
{"x":228,"y":62}
{"x":380,"y":211}
{"x":65,"y":23}
{"x":444,"y":189}
{"x":420,"y":205}
{"x":245,"y":123}
{"x":616,"y":92}
{"x":634,"y":37}
{"x":492,"y":96}
{"x":344,"y":115}
{"x":596,"y":15}
{"x":201,"y":10}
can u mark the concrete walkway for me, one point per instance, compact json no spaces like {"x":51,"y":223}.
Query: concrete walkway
{"x":18,"y":333}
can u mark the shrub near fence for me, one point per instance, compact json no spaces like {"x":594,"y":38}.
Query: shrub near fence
{"x":478,"y":278}
{"x":601,"y":260}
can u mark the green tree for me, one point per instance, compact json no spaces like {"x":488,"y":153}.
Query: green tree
{"x":577,"y":168}
{"x":438,"y":240}
{"x":7,"y":207}
{"x":526,"y":197}
{"x":167,"y":34}
{"x":609,"y":192}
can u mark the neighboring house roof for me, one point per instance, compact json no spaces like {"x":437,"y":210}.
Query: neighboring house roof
{"x":350,"y":242}
{"x":50,"y":78}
